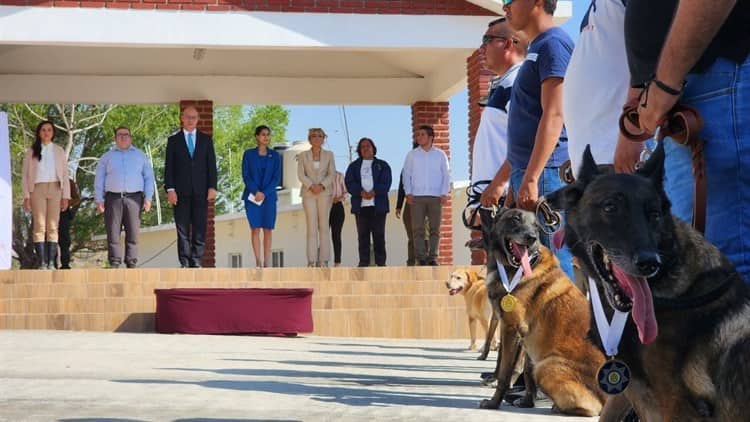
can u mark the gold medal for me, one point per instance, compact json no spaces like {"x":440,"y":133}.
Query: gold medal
{"x":508,"y":303}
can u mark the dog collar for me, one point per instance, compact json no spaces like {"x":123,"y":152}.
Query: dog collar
{"x":664,"y":303}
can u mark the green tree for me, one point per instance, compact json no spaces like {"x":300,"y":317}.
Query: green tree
{"x":234,"y":132}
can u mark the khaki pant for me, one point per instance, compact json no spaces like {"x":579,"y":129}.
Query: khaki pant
{"x":430,"y":207}
{"x":45,"y":211}
{"x":317,"y":210}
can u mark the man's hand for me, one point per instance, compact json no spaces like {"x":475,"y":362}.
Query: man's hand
{"x":528,"y":194}
{"x":627,"y":155}
{"x":147,"y":205}
{"x":172,"y":197}
{"x":444,"y":199}
{"x":64,"y":204}
{"x":410,"y":199}
{"x":657,"y":106}
{"x":491,"y":195}
{"x":27,"y":204}
{"x":211,"y":194}
{"x":259,"y":196}
{"x":398,"y":212}
{"x":100,"y":207}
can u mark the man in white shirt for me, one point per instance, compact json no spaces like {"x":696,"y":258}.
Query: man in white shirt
{"x":598,"y":69}
{"x":503,"y":49}
{"x":427,"y":185}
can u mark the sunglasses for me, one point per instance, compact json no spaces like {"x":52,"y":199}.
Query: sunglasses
{"x":489,"y":38}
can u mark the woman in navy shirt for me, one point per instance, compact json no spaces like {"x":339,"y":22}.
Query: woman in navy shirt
{"x":368,"y":180}
{"x":261,"y":171}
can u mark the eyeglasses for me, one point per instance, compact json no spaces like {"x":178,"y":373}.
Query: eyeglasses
{"x":122,"y":135}
{"x":489,"y":38}
{"x":189,"y":117}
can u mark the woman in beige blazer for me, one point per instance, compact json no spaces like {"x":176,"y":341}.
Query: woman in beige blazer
{"x":46,"y":191}
{"x":316,"y":170}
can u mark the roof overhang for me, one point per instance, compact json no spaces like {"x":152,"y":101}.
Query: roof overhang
{"x":82,"y":55}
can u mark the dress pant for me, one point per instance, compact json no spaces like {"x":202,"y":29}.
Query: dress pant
{"x":406,"y":216}
{"x":336,"y":221}
{"x":430,"y":207}
{"x":371,"y":223}
{"x":191,"y":219}
{"x":317,"y":212}
{"x":45,"y":211}
{"x":122,"y":210}
{"x":66,"y":219}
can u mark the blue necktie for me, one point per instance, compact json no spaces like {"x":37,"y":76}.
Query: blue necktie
{"x":191,"y":145}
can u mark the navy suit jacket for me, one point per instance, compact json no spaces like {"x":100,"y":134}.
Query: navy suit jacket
{"x":252,"y":177}
{"x":381,"y":178}
{"x":190,"y":176}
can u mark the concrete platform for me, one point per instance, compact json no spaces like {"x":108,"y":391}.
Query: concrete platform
{"x":97,"y":376}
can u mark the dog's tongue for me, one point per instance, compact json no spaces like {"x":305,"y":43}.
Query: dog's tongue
{"x":643,"y":304}
{"x":558,"y":238}
{"x":523,"y":255}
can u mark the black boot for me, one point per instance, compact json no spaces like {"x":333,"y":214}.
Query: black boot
{"x":51,"y":255}
{"x":41,"y":255}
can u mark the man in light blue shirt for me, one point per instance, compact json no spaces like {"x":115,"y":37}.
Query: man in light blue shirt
{"x":124,"y":184}
{"x":427,"y":179}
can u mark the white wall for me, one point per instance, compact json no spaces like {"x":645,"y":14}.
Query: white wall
{"x":233,"y":236}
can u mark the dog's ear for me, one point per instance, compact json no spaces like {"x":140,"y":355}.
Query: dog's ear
{"x":566,"y":197}
{"x":471,"y":277}
{"x":588,"y":169}
{"x":654,"y":167}
{"x":485,"y":217}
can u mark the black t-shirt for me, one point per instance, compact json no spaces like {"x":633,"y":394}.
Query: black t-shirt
{"x":647,"y":23}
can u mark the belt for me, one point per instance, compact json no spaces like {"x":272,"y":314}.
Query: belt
{"x":683,"y":125}
{"x":124,"y":194}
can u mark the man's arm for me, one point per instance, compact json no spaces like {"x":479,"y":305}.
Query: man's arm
{"x":147,"y":173}
{"x":492,"y":193}
{"x":211,"y":165}
{"x":547,"y":136}
{"x":693,"y":28}
{"x":101,"y":168}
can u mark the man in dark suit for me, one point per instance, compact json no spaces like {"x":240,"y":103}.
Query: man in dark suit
{"x":190,"y":181}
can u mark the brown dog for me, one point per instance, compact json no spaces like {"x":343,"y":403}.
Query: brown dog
{"x":470,"y":284}
{"x":550,"y":319}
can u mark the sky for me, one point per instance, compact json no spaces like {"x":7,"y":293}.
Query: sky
{"x":390,"y":126}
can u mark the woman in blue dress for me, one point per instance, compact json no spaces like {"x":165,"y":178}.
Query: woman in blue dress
{"x":261,"y":171}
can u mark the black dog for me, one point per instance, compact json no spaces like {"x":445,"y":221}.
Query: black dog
{"x":688,"y":341}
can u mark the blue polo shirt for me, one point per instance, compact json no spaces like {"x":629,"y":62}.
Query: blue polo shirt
{"x":547,"y":57}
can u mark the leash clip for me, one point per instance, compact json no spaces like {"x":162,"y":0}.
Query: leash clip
{"x":548,"y":220}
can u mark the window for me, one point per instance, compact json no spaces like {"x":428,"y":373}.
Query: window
{"x":235,"y":260}
{"x":277,"y":258}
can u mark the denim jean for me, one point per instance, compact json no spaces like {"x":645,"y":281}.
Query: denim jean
{"x":722,"y":95}
{"x":549,"y":181}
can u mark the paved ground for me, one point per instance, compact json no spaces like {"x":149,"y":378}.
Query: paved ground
{"x":84,"y":376}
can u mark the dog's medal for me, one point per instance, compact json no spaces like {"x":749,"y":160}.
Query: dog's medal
{"x":508,"y":303}
{"x":614,"y":375}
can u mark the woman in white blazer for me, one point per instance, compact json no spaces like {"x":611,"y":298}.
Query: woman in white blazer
{"x":316,"y":170}
{"x":46,"y":191}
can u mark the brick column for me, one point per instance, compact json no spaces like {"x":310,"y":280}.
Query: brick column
{"x":436,"y":115}
{"x":478,"y":80}
{"x":206,"y":125}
